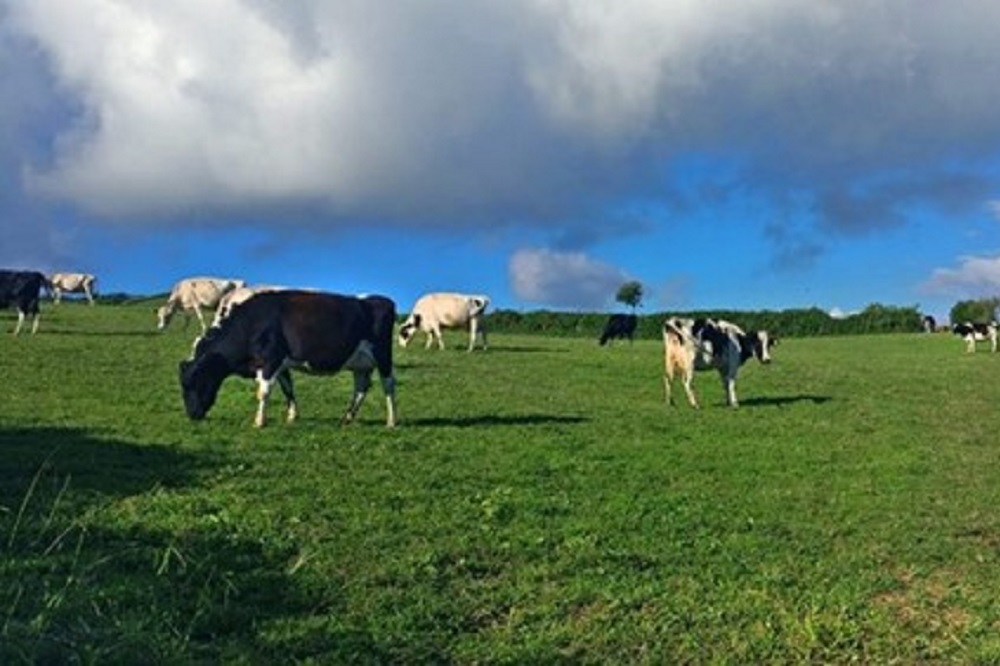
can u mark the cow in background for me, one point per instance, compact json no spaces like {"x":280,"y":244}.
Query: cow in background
{"x":275,"y":332}
{"x":22,"y":289}
{"x":433,"y":312}
{"x":977,"y":332}
{"x":928,"y":324}
{"x":237,"y":296}
{"x":705,"y":344}
{"x":619,"y":327}
{"x":191,"y":295}
{"x":73,"y":283}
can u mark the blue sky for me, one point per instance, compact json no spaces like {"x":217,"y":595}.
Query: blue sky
{"x":742,"y":155}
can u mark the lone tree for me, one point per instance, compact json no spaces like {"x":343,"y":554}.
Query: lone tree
{"x":630,"y":294}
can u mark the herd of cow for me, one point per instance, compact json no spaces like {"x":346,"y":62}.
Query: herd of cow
{"x":265,"y":331}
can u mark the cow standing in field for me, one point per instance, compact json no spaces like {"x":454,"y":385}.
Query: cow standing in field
{"x":73,"y":283}
{"x":22,"y":289}
{"x":703,"y":344}
{"x":275,"y":332}
{"x":433,"y":312}
{"x":191,"y":295}
{"x":977,"y":332}
{"x":619,"y":326}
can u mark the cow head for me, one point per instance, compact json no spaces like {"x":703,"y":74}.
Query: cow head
{"x":761,"y":343}
{"x":409,"y":329}
{"x":163,"y":315}
{"x":200,"y":381}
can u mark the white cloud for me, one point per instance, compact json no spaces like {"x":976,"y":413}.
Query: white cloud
{"x":546,"y":111}
{"x":974,"y":277}
{"x":563,"y":279}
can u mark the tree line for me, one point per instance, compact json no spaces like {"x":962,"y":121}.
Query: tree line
{"x":801,"y":322}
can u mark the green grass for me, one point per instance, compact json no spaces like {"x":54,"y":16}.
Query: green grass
{"x":538,"y":503}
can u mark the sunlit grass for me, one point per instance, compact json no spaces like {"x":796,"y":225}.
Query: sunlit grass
{"x":538,"y":503}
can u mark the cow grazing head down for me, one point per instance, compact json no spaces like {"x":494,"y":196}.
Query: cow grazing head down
{"x":273,"y":333}
{"x":436,"y":311}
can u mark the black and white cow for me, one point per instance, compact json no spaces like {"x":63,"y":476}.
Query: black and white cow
{"x":275,"y":332}
{"x":619,"y":327}
{"x":977,"y":332}
{"x":704,"y":344}
{"x":22,"y":289}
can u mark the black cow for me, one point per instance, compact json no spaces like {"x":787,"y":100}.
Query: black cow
{"x":619,"y":326}
{"x":976,"y":332}
{"x":273,"y":332}
{"x":22,"y":289}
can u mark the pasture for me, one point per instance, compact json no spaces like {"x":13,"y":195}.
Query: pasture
{"x":538,"y":503}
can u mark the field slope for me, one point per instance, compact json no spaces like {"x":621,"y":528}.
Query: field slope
{"x":538,"y":503}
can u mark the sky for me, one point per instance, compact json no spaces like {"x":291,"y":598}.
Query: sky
{"x":727,"y":154}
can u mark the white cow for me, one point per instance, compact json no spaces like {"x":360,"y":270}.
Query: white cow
{"x":239,"y":295}
{"x":193,"y":294}
{"x":432,"y":312}
{"x":704,"y":344}
{"x":73,"y":283}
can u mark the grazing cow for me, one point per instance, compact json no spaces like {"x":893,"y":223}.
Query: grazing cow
{"x":619,"y":326}
{"x":22,"y":289}
{"x":237,"y":296}
{"x":274,"y":332}
{"x":193,"y":294}
{"x":432,"y":312}
{"x":928,"y":324}
{"x":702,"y":344}
{"x":977,"y":332}
{"x":73,"y":283}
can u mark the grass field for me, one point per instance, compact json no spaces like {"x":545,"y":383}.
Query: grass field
{"x":538,"y":504}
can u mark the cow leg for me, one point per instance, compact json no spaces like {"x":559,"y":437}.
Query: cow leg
{"x":263,"y":390}
{"x":288,"y":390}
{"x":439,"y":337}
{"x":729,"y":386}
{"x":89,"y":295}
{"x":201,"y":319}
{"x":389,"y":388}
{"x":668,"y":378}
{"x":34,"y":324}
{"x":362,"y":381}
{"x":284,"y":378}
{"x":473,"y":331}
{"x":20,"y":322}
{"x":687,"y":380}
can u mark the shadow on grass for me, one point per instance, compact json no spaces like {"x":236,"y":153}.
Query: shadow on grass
{"x":138,"y":333}
{"x":780,"y":401}
{"x":493,"y":420}
{"x":109,"y":558}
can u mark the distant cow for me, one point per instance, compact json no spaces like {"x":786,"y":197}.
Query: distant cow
{"x":275,"y":332}
{"x":977,"y":332}
{"x":928,"y":324}
{"x":73,"y":283}
{"x":239,"y":295}
{"x":432,"y":312}
{"x":619,"y":327}
{"x":703,"y":344}
{"x":22,"y":289}
{"x":193,"y":294}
